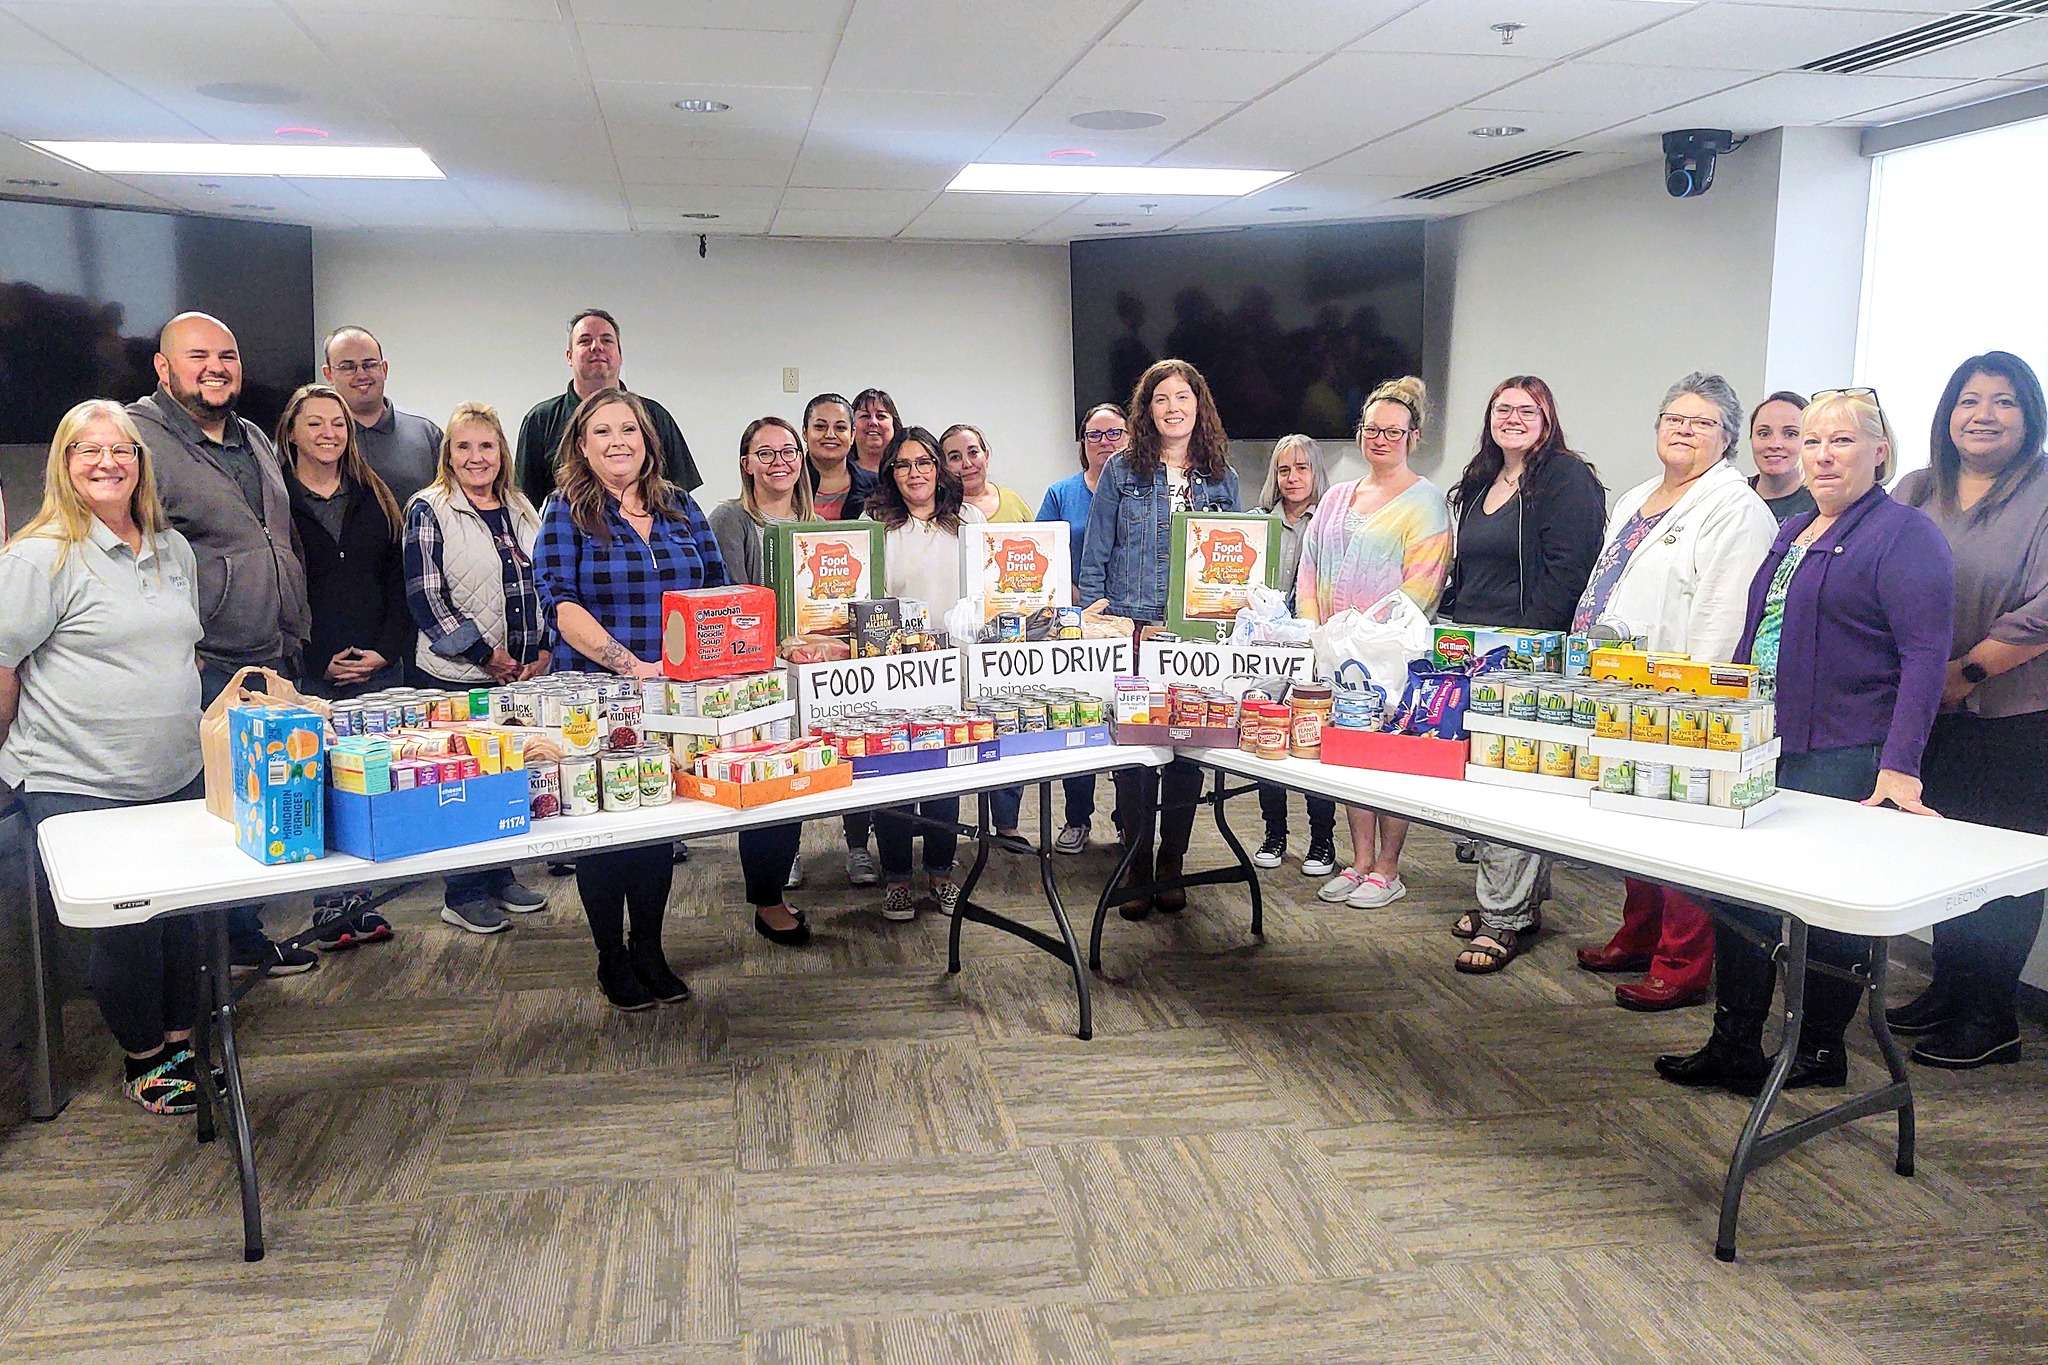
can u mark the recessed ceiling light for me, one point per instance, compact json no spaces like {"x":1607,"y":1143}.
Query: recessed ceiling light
{"x":702,"y":106}
{"x":1499,"y":130}
{"x":1117,"y":120}
{"x":248,"y":92}
{"x":246,"y":158}
{"x":29,"y":182}
{"x":702,"y":217}
{"x":1070,"y":154}
{"x":996,"y":178}
{"x":298,"y":130}
{"x":1112,"y":225}
{"x":1288,"y":208}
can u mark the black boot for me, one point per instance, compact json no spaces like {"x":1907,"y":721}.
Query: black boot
{"x":619,"y":982}
{"x":1140,"y":874}
{"x":1176,"y":827}
{"x":1734,"y":1055}
{"x":1931,"y":1010}
{"x":652,"y":968}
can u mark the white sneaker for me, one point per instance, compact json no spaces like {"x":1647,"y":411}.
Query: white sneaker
{"x":1375,"y":891}
{"x":1338,"y":889}
{"x":860,"y":868}
{"x":1320,"y":860}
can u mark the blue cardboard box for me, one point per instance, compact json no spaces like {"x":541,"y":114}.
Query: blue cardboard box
{"x":924,"y":760}
{"x":275,"y":757}
{"x":1053,"y":741}
{"x":398,"y":823}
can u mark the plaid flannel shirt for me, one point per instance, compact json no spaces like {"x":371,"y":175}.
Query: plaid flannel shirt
{"x":449,"y":633}
{"x":620,"y":581}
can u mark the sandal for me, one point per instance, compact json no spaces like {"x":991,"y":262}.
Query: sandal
{"x":1505,"y":947}
{"x":1467,"y":924}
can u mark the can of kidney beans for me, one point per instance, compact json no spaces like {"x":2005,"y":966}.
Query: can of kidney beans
{"x":543,"y":789}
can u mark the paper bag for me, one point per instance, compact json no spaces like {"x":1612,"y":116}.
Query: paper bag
{"x":275,"y":690}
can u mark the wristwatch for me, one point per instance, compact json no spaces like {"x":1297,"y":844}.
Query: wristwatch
{"x":1973,"y":672}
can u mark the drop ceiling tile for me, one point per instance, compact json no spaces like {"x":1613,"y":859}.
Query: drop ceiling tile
{"x":548,"y":207}
{"x":1614,"y":92}
{"x":703,"y":198}
{"x":1974,"y":93}
{"x":826,"y":222}
{"x":1135,"y":77}
{"x":622,"y":52}
{"x":1796,"y":99}
{"x":496,"y":10}
{"x":1737,"y":37}
{"x":1050,"y":120}
{"x":523,"y":72}
{"x":634,"y":143}
{"x":873,"y":203}
{"x":1028,"y":209}
{"x":825,"y":165}
{"x":395,"y":203}
{"x":1552,"y":28}
{"x":1996,"y":54}
{"x":1300,"y":26}
{"x":25,"y":46}
{"x":966,"y":49}
{"x":1321,"y":200}
{"x":747,"y":172}
{"x":767,"y":16}
{"x":565,"y":150}
{"x":781,"y":109}
{"x":849,"y":113}
{"x":732,"y":223}
{"x":75,"y":102}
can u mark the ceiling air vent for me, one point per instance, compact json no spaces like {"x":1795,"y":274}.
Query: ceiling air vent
{"x":1500,"y":171}
{"x":1987,"y":16}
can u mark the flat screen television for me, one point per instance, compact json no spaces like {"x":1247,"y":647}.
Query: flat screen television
{"x":83,"y":292}
{"x":1292,"y":326}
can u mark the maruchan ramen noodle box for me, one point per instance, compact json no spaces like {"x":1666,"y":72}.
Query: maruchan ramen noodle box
{"x":275,"y":754}
{"x":1214,"y":560}
{"x":717,"y":632}
{"x":1017,"y":567}
{"x":819,"y":569}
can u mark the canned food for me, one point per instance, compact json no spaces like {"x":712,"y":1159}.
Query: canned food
{"x":1650,"y":720}
{"x":654,"y":696}
{"x":1556,"y":759}
{"x":657,"y":776}
{"x":1554,"y":703}
{"x":578,"y":725}
{"x":1519,"y":698}
{"x":1488,"y":697}
{"x":1518,"y":753}
{"x":579,"y":785}
{"x":479,"y":703}
{"x":619,"y":779}
{"x":1618,"y":775}
{"x":1005,"y":719}
{"x":1613,"y":714}
{"x":1585,"y":706}
{"x":1653,"y":780}
{"x":1031,"y":715}
{"x":543,"y":789}
{"x":1733,"y":727}
{"x":548,"y":710}
{"x":623,"y":729}
{"x":984,"y":728}
{"x":1486,"y":750}
{"x":927,"y":735}
{"x":1691,"y":785}
{"x":1689,"y":723}
{"x":851,"y":743}
{"x":1586,"y":764}
{"x":1059,"y":713}
{"x":1087,"y":710}
{"x":375,"y":721}
{"x":441,"y":710}
{"x":959,"y":730}
{"x":1220,"y":711}
{"x":346,"y":718}
{"x":415,"y":712}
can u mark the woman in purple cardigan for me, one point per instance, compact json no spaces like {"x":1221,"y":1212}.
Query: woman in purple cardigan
{"x":1852,"y":608}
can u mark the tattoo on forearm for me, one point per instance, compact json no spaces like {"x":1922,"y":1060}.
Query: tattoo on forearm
{"x":616,"y":657}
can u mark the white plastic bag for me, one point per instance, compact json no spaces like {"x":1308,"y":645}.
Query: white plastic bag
{"x":1386,"y":637}
{"x":1265,"y":620}
{"x":963,"y":621}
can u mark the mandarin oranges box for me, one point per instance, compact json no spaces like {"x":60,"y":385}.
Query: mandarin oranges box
{"x":275,"y":754}
{"x":717,"y":632}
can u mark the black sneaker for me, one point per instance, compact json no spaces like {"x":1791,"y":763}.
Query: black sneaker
{"x":648,"y":963}
{"x":1965,"y":1044}
{"x":1321,"y":858}
{"x":1930,"y":1012}
{"x":561,"y":869}
{"x":270,"y":959}
{"x":681,"y":853}
{"x":1271,"y":853}
{"x":620,"y":983}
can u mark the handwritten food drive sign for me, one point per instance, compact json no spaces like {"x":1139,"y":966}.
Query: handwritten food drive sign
{"x":1085,"y":665}
{"x":1224,"y":667}
{"x":900,"y":682}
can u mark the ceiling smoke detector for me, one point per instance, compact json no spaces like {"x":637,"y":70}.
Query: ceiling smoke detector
{"x":1499,"y":130}
{"x":702,"y":106}
{"x":1117,"y":120}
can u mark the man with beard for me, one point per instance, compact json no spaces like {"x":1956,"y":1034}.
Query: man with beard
{"x":403,"y":448}
{"x":594,"y":357}
{"x":224,"y":490}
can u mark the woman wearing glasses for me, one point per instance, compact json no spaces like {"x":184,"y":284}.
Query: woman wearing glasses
{"x":99,"y":708}
{"x":1103,"y":434}
{"x":774,"y":487}
{"x":1986,"y":487}
{"x":1851,"y":607}
{"x":1681,"y":550}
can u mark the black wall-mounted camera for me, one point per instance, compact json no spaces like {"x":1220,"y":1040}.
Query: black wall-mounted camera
{"x":1689,"y":159}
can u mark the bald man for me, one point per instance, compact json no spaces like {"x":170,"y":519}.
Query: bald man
{"x":224,"y":490}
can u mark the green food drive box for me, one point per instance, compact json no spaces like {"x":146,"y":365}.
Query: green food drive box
{"x":1211,"y":566}
{"x":818,"y":569}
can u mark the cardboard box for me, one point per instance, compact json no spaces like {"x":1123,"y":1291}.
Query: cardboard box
{"x":1214,"y":560}
{"x":276,"y":755}
{"x":1053,"y":741}
{"x":1531,"y":650}
{"x":717,"y":632}
{"x":1728,"y":817}
{"x":1422,"y":755}
{"x":1675,"y":673}
{"x":876,"y":623}
{"x":924,"y":760}
{"x":818,"y":569}
{"x":1016,"y":566}
{"x":742,"y":795}
{"x":398,"y":824}
{"x":1179,"y":736}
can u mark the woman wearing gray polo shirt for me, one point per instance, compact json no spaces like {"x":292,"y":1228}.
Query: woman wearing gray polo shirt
{"x":99,"y":707}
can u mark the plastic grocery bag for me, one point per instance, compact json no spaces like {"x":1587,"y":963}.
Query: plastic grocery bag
{"x":1266,"y":620}
{"x":1386,"y":637}
{"x":275,"y":690}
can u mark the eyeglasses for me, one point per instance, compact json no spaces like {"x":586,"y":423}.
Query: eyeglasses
{"x":1859,"y":392}
{"x":1383,"y":433}
{"x":1680,"y":422}
{"x":1527,"y":412}
{"x":87,"y":451}
{"x":779,"y":455}
{"x":926,"y":465}
{"x":363,"y":367}
{"x":1106,"y":437}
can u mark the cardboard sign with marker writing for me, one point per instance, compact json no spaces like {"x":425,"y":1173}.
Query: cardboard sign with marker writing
{"x":1085,"y":665}
{"x":1223,"y":667}
{"x":900,"y":682}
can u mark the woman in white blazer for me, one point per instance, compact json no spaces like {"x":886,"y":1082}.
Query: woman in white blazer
{"x":1680,"y":551}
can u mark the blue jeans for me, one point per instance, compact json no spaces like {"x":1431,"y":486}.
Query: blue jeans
{"x":1080,"y":799}
{"x":1003,"y":806}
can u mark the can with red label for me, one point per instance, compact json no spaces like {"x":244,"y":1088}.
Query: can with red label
{"x":623,"y":728}
{"x":543,"y":789}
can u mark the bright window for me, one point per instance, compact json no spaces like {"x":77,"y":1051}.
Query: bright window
{"x":1952,"y":268}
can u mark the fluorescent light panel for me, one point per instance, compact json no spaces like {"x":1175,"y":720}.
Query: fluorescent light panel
{"x":994,"y":178}
{"x":250,"y":158}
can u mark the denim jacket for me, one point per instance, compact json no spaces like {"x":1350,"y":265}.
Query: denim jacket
{"x":1130,"y":532}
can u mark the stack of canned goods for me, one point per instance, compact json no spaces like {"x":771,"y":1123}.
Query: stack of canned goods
{"x":1032,"y":710}
{"x":871,"y":732}
{"x":1546,"y":697}
{"x":1201,"y":707}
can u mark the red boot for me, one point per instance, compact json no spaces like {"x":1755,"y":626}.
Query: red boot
{"x":1634,"y":943}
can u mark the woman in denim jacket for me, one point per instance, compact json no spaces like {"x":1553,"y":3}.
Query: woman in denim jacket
{"x":1174,"y":463}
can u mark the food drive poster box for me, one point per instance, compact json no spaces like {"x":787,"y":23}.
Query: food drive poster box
{"x":819,"y":569}
{"x":1016,"y":566}
{"x":1211,"y":566}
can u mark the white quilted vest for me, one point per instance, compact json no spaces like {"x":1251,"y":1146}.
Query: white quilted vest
{"x":474,"y":578}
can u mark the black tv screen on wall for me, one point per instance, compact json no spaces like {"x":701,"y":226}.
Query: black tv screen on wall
{"x":1292,"y":327}
{"x":83,"y":292}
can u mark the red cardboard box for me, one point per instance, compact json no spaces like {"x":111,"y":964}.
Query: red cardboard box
{"x":1422,"y":755}
{"x":717,"y":632}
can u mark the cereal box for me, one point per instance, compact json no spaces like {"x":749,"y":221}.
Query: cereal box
{"x":1015,"y":566}
{"x":717,"y":632}
{"x":818,"y":569}
{"x":275,"y":754}
{"x":1215,"y":559}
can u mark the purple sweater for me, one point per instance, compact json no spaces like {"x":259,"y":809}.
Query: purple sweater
{"x":1863,"y":647}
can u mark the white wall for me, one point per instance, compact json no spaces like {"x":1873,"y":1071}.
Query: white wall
{"x":1817,"y":261}
{"x":956,"y":333}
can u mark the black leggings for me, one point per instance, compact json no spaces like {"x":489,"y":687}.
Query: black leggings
{"x":144,"y":977}
{"x":893,"y":834}
{"x":631,"y":882}
{"x":765,"y":858}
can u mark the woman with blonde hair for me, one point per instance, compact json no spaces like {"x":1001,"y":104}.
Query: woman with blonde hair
{"x":1388,"y":531}
{"x":469,"y":581}
{"x":99,"y":708}
{"x":1295,"y":484}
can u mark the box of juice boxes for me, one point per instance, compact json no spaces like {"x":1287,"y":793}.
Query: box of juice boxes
{"x":1214,"y":560}
{"x":275,"y":754}
{"x":1537,"y":651}
{"x":717,"y":632}
{"x":819,"y":569}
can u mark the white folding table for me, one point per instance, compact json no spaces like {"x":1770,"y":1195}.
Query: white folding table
{"x":125,"y":866}
{"x":1818,"y":863}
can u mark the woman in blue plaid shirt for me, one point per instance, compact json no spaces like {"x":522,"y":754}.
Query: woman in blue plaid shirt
{"x":614,"y":536}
